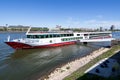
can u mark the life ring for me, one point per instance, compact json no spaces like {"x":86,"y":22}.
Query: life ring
{"x":50,"y":41}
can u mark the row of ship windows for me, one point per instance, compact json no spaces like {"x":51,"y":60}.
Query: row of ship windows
{"x":102,"y":34}
{"x":69,"y":39}
{"x":49,"y":36}
{"x":98,"y":36}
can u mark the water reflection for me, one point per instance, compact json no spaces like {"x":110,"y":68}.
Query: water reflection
{"x":27,"y":64}
{"x":23,"y":53}
{"x":36,"y":53}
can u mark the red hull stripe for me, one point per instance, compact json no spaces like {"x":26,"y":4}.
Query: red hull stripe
{"x":17,"y":45}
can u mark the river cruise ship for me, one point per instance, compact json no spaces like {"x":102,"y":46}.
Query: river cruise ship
{"x":54,"y":39}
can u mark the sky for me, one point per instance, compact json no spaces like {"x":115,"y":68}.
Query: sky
{"x":67,"y":13}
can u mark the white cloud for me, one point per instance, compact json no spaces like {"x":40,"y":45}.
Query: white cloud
{"x":102,"y":23}
{"x":93,"y":23}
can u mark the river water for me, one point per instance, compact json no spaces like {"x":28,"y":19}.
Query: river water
{"x":31,"y":64}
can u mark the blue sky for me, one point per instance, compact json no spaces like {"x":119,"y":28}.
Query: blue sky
{"x":67,"y":13}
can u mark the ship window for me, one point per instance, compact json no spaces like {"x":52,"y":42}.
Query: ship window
{"x":39,"y":36}
{"x":85,"y":34}
{"x":77,"y":38}
{"x":33,"y":36}
{"x":62,"y":35}
{"x":54,"y":35}
{"x":50,"y":36}
{"x":78,"y":34}
{"x":57,"y":35}
{"x":28,"y":36}
{"x":92,"y":34}
{"x":71,"y":34}
{"x":45,"y":36}
{"x":80,"y":37}
{"x":42,"y":36}
{"x":63,"y":39}
{"x":68,"y":35}
{"x":65,"y":35}
{"x":36,"y":36}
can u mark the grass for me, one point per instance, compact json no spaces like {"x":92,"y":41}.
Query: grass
{"x":80,"y":72}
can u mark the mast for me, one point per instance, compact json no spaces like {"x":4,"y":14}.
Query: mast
{"x":28,"y":30}
{"x":8,"y":38}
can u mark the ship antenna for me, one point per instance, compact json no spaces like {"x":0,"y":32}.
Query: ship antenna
{"x":28,"y":30}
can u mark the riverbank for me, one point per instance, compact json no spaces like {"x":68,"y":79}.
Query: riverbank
{"x":69,"y":68}
{"x":80,"y":73}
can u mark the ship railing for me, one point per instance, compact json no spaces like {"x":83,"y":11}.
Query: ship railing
{"x":50,"y":32}
{"x":19,"y":40}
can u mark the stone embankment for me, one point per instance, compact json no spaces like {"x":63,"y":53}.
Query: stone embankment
{"x":67,"y":69}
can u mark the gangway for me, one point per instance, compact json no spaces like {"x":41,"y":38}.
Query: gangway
{"x":97,"y":40}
